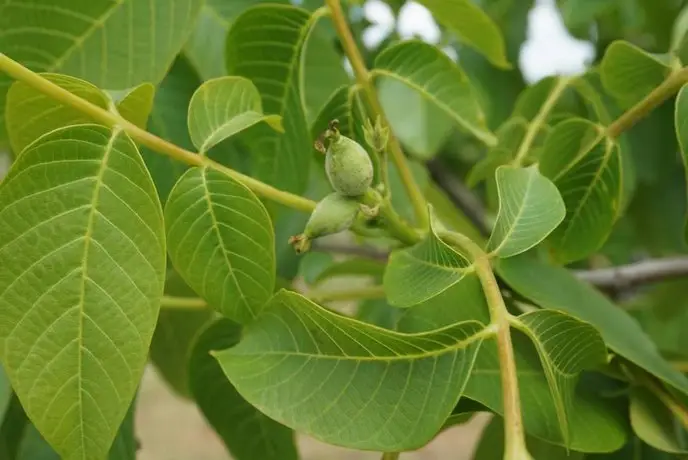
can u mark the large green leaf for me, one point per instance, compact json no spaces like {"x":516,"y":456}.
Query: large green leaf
{"x":247,"y":433}
{"x":681,"y":124}
{"x":567,"y":346}
{"x":265,"y":45}
{"x":585,"y":166}
{"x":113,"y":45}
{"x":472,"y":26}
{"x":556,"y":288}
{"x":594,"y":426}
{"x":221,"y":242}
{"x":530,"y":207}
{"x":438,"y":79}
{"x":168,"y":120}
{"x":78,"y":308}
{"x":630,"y":73}
{"x":654,"y":423}
{"x":223,"y":107}
{"x":423,"y":271}
{"x":30,"y":113}
{"x":137,"y":104}
{"x":350,"y":383}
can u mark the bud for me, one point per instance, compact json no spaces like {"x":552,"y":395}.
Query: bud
{"x":376,"y":136}
{"x":348,"y":165}
{"x":333,"y":214}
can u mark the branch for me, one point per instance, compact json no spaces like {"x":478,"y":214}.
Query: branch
{"x":143,"y":137}
{"x":644,"y":272}
{"x":460,"y":195}
{"x":364,"y":80}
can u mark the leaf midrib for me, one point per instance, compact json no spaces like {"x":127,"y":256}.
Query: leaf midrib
{"x":519,"y":214}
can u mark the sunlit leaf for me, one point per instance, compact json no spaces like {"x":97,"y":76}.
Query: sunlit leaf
{"x":585,"y":166}
{"x":530,"y":207}
{"x":567,"y":346}
{"x":438,"y":79}
{"x":654,"y":423}
{"x":78,"y":309}
{"x":114,"y":45}
{"x":555,"y":288}
{"x":222,"y":108}
{"x":350,"y":383}
{"x":30,"y":113}
{"x":472,"y":26}
{"x":630,"y":73}
{"x":247,"y":433}
{"x":137,"y":104}
{"x":221,"y":242}
{"x":423,"y":271}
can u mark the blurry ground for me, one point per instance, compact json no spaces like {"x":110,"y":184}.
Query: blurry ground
{"x":172,"y":429}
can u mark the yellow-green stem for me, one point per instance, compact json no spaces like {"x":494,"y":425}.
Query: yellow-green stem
{"x":363,"y":293}
{"x":653,"y":100}
{"x":514,"y":435}
{"x":676,"y":408}
{"x":21,"y":73}
{"x":390,"y":455}
{"x":182,"y":303}
{"x":363,"y":78}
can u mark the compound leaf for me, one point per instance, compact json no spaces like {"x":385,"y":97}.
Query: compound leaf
{"x":221,"y":242}
{"x":78,"y":308}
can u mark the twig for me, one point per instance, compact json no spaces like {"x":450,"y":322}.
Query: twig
{"x":460,"y":195}
{"x":644,"y":272}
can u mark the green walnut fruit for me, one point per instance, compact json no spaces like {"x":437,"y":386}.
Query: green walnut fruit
{"x":348,"y":166}
{"x":333,"y":214}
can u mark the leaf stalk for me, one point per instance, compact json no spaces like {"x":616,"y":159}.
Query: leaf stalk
{"x":365,"y":82}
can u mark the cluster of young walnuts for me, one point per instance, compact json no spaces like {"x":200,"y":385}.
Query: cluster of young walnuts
{"x":350,"y":172}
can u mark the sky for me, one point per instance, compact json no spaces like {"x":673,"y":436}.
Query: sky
{"x":549,"y":49}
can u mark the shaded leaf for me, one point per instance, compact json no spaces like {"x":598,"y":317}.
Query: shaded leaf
{"x":247,"y":433}
{"x":472,"y":26}
{"x":313,"y":264}
{"x":567,"y":346}
{"x":585,"y":166}
{"x":530,"y":207}
{"x":379,"y":313}
{"x":221,"y":242}
{"x":137,"y":104}
{"x":222,"y":108}
{"x":30,"y":113}
{"x":594,"y":425}
{"x":78,"y":309}
{"x":654,"y":423}
{"x":556,"y":288}
{"x":349,"y":383}
{"x":356,"y":266}
{"x":337,"y":107}
{"x":681,"y":123}
{"x":423,"y":271}
{"x":630,"y":73}
{"x":438,"y":79}
{"x":114,"y":45}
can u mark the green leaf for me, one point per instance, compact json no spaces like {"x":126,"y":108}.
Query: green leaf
{"x":594,"y":426}
{"x":79,"y":307}
{"x":265,"y":45}
{"x":247,"y":433}
{"x":681,"y":124}
{"x":137,"y":104}
{"x":223,"y":107}
{"x":312,"y":264}
{"x":337,"y":107}
{"x":654,"y":423}
{"x":630,"y":73}
{"x":423,"y":271}
{"x":586,"y":168}
{"x":114,"y":45}
{"x":349,"y":383}
{"x":491,"y":445}
{"x":530,"y":208}
{"x":221,"y":242}
{"x":379,"y":313}
{"x":168,"y":121}
{"x":567,"y":346}
{"x":438,"y":79}
{"x":555,"y":288}
{"x":30,"y":113}
{"x":356,"y":266}
{"x":472,"y":26}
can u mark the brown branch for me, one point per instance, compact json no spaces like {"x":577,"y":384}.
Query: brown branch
{"x":644,"y":272}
